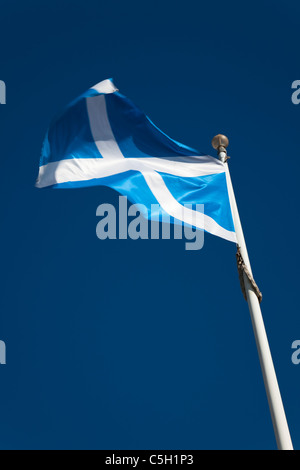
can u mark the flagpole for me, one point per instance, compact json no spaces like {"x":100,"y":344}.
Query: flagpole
{"x":282,"y":434}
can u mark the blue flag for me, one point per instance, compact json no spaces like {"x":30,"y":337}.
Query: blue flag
{"x":102,"y":138}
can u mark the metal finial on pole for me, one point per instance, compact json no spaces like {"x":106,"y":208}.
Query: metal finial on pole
{"x":220,"y":143}
{"x":282,"y":434}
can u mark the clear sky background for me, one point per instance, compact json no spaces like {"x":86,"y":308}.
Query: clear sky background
{"x":141,"y":344}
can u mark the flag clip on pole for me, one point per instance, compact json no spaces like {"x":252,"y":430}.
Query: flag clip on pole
{"x":282,"y":434}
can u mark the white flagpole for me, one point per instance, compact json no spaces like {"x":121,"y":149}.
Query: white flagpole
{"x":280,"y":425}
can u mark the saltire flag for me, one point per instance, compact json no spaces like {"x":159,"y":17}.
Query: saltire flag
{"x":102,"y":138}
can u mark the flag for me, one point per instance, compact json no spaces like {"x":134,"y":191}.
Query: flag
{"x":102,"y":138}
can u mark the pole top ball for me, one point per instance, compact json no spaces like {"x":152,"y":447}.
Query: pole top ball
{"x":220,"y":141}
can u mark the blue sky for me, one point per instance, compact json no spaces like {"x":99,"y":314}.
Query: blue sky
{"x":141,"y":344}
